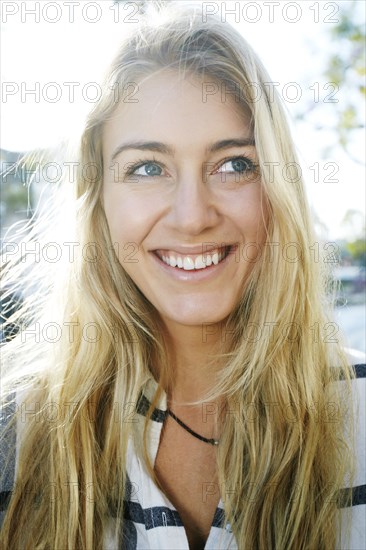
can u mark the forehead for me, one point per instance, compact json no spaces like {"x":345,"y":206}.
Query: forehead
{"x":186,"y":111}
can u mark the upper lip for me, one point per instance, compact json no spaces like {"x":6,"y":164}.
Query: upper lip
{"x":187,"y":250}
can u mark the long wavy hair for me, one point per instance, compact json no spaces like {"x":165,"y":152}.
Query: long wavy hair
{"x":280,"y":469}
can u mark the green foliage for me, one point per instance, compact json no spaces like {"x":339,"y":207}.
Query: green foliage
{"x":15,"y":197}
{"x":346,"y":69}
{"x":357,"y":250}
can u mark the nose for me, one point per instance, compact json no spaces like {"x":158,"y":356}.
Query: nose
{"x":194,"y":207}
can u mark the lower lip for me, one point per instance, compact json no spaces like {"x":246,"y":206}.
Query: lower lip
{"x":193,"y":274}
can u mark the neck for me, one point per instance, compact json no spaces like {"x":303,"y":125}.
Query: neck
{"x":191,"y":352}
{"x":192,"y":369}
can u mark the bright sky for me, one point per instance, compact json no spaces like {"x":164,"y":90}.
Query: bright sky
{"x":42,"y":48}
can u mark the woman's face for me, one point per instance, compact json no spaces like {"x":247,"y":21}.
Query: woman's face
{"x":175,"y":186}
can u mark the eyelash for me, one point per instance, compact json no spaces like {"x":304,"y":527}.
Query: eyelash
{"x":140,"y":163}
{"x":252,"y":167}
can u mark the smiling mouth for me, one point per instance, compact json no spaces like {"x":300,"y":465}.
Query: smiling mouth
{"x":191,"y":262}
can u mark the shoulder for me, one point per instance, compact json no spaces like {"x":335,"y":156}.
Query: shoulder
{"x":8,"y":452}
{"x":12,"y":427}
{"x":357,"y":405}
{"x":7,"y":440}
{"x":355,"y":357}
{"x":352,"y":511}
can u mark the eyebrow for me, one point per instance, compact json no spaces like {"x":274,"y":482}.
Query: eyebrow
{"x":165,"y":149}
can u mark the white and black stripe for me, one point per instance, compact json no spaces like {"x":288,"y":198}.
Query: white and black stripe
{"x":151,"y":521}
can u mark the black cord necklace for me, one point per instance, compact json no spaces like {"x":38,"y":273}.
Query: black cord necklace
{"x":188,"y":429}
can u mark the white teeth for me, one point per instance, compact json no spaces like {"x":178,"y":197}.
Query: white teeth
{"x":200,"y":262}
{"x":215,"y":258}
{"x":188,"y":263}
{"x":173,"y":261}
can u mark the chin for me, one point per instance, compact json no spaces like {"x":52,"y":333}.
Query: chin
{"x":196,"y":318}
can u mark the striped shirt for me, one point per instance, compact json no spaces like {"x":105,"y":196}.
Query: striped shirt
{"x":151,"y":520}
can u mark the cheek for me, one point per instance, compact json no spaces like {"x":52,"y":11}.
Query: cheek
{"x":250,"y":219}
{"x":129,"y":217}
{"x":118,"y":216}
{"x":124,"y":232}
{"x":249,"y":212}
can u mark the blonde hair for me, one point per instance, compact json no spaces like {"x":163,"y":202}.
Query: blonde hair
{"x":280,"y":476}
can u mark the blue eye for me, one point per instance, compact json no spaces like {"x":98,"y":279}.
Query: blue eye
{"x":239,"y":165}
{"x":150,"y":168}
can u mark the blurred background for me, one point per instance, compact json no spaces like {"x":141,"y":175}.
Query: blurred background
{"x":53,"y":56}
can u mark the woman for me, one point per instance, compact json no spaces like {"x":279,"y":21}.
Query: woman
{"x":185,"y":398}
